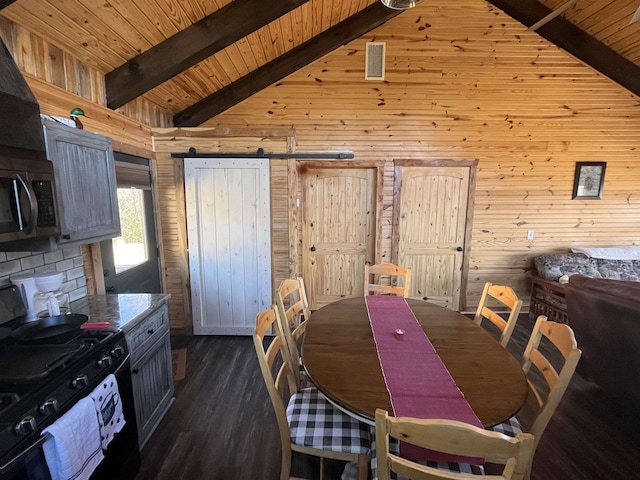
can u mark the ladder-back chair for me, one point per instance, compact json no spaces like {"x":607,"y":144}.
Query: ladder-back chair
{"x":396,"y":273}
{"x":505,"y":296}
{"x":451,"y":437}
{"x":550,"y":383}
{"x":307,"y":421}
{"x":293,"y":308}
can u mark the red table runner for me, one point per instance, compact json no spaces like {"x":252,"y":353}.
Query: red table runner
{"x":419,"y":384}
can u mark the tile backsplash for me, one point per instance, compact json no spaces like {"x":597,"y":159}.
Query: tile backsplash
{"x":69,"y":261}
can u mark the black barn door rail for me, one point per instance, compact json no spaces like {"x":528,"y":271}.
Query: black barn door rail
{"x":260,"y":153}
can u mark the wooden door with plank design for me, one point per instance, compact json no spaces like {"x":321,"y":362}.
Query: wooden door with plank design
{"x":432,"y":219}
{"x":338,"y":230}
{"x":228,"y":210}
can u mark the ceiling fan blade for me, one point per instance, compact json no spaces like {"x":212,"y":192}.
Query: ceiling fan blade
{"x":636,"y":16}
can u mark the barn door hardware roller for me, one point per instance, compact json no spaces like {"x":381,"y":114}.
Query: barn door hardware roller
{"x":260,"y":153}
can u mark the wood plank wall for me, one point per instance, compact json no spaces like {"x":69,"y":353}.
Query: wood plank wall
{"x":464,"y":81}
{"x":45,"y":61}
{"x":172,"y":203}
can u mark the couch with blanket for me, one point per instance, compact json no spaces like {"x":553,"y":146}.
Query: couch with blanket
{"x":548,"y":284}
{"x":605,"y":317}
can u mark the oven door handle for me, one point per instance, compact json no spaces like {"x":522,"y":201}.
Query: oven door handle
{"x":7,"y":466}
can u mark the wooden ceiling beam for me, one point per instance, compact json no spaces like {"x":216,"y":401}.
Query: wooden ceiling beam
{"x":186,"y":48}
{"x":570,"y":38}
{"x":292,"y":61}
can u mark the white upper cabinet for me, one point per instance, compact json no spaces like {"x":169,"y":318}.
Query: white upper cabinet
{"x":85,"y":183}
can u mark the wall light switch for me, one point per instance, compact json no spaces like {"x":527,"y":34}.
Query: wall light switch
{"x":529,"y":234}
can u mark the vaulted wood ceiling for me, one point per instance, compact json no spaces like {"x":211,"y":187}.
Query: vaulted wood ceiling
{"x":196,"y":58}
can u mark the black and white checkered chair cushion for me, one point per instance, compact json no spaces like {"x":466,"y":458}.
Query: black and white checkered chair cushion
{"x":511,"y":427}
{"x":394,"y":448}
{"x":315,"y":422}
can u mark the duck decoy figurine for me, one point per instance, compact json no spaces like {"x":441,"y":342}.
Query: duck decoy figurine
{"x":75,"y":113}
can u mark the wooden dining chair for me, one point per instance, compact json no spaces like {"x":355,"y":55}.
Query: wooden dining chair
{"x":293,"y":309}
{"x":547,"y":382}
{"x":307,"y":421}
{"x":505,"y":296}
{"x":451,"y":437}
{"x":386,"y":269}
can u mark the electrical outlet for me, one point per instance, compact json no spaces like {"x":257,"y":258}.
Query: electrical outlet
{"x":529,"y":234}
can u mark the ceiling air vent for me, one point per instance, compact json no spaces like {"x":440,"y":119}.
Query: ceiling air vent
{"x":374,"y":63}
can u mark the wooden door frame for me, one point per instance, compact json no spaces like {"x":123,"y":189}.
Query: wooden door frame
{"x":297,"y":211}
{"x":397,"y":186}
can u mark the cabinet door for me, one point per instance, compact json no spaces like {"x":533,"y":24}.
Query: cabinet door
{"x":85,"y":179}
{"x":152,"y":379}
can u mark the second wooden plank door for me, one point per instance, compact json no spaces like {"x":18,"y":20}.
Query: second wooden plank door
{"x":430,"y":230}
{"x":338,"y":233}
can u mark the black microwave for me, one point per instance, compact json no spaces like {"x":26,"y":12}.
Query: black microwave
{"x":27,"y":208}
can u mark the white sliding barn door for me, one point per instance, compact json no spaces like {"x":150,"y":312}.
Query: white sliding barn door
{"x":229,"y":230}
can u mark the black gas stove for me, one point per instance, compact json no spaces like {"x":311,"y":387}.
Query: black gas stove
{"x":40,"y":382}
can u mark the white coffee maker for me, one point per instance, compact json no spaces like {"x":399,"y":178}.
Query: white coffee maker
{"x":50,"y":301}
{"x":42,"y":295}
{"x":26,"y":284}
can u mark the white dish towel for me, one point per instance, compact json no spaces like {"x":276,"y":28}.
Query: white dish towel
{"x":108,"y":406}
{"x":73,"y":449}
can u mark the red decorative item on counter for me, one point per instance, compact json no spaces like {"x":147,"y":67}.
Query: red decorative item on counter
{"x":95,"y":325}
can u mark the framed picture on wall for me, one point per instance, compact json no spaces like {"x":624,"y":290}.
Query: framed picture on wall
{"x":589,"y":179}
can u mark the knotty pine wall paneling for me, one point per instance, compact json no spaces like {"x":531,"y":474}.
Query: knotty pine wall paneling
{"x":49,"y":63}
{"x":464,"y":81}
{"x":170,"y":176}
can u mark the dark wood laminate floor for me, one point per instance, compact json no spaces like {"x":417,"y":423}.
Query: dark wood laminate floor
{"x":222,"y":425}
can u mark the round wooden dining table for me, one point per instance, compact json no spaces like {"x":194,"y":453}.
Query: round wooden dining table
{"x":340,"y":357}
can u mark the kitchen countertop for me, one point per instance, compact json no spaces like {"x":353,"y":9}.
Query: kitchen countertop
{"x":123,"y":310}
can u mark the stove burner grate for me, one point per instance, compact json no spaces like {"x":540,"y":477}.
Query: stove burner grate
{"x":29,"y":363}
